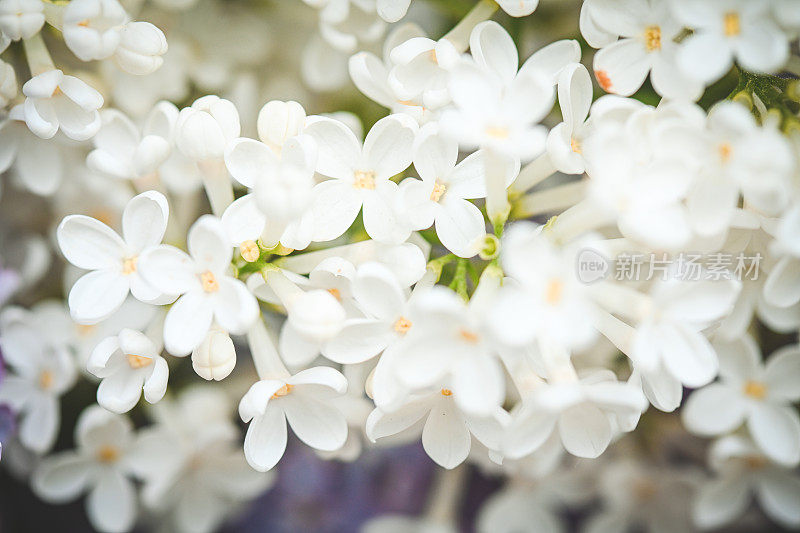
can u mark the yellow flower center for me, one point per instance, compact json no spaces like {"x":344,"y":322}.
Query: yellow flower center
{"x":336,"y":294}
{"x":107,"y":454}
{"x":755,"y":389}
{"x":209,"y":281}
{"x":249,"y":251}
{"x":84,"y":330}
{"x":283,"y":391}
{"x":364,"y":179}
{"x":138,"y":361}
{"x":46,"y":379}
{"x":437,"y":192}
{"x":554,"y":291}
{"x":402,"y":325}
{"x":725,"y":151}
{"x":652,"y":38}
{"x":446,"y":392}
{"x":732,"y":24}
{"x":432,"y":57}
{"x":497,"y":132}
{"x":575,"y":144}
{"x":468,"y":336}
{"x":129,"y":265}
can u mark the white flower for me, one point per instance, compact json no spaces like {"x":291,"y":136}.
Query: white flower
{"x":669,"y":345}
{"x":724,"y":31}
{"x":121,"y":152}
{"x":128,"y":364}
{"x":89,"y":244}
{"x":441,"y":198}
{"x":392,"y":10}
{"x":104,"y":459}
{"x":450,"y":340}
{"x":92,"y":27}
{"x":215,"y":358}
{"x":141,"y":46}
{"x":742,"y":471}
{"x":518,"y":8}
{"x":201,"y":278}
{"x":304,"y":401}
{"x":280,"y":121}
{"x":378,"y":293}
{"x":361,"y":177}
{"x":420,"y":69}
{"x":584,"y":412}
{"x":753,"y":392}
{"x":277,"y":209}
{"x":37,"y":163}
{"x":648,"y":30}
{"x":204,"y":129}
{"x":548,"y":300}
{"x":54,"y":100}
{"x":21,"y":19}
{"x":42,"y":372}
{"x":448,"y":430}
{"x":565,"y":139}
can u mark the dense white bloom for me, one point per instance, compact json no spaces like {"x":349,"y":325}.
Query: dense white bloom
{"x":782,"y":287}
{"x":361,"y":177}
{"x":207,"y":291}
{"x":128,"y":364}
{"x":648,"y":30}
{"x":753,"y":392}
{"x":742,"y":471}
{"x":42,"y":372}
{"x":141,"y":47}
{"x":723,"y":31}
{"x":55,"y":101}
{"x":21,"y":19}
{"x":448,"y":430}
{"x":304,"y":401}
{"x":420,"y":70}
{"x":392,"y":10}
{"x":204,"y":129}
{"x":91,"y":28}
{"x":89,"y":244}
{"x":37,"y":164}
{"x":215,"y":358}
{"x":101,"y":465}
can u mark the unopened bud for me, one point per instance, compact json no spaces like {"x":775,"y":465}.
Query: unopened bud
{"x":490,"y":248}
{"x":278,"y":121}
{"x":140,"y":48}
{"x":215,"y":358}
{"x":204,"y":129}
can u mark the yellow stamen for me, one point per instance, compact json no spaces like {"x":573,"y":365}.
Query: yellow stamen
{"x":497,"y":132}
{"x":468,"y":336}
{"x":725,"y":152}
{"x":249,"y":251}
{"x":732,"y":24}
{"x":755,"y":389}
{"x":129,"y":265}
{"x":46,"y":380}
{"x":652,"y":38}
{"x":603,"y":79}
{"x":283,"y":391}
{"x":336,"y":294}
{"x":402,"y":325}
{"x":437,"y":192}
{"x":57,"y":91}
{"x":209,"y":281}
{"x":84,"y":330}
{"x":364,"y":179}
{"x":575,"y":144}
{"x":84,"y":23}
{"x":139,"y":361}
{"x":446,"y":392}
{"x":107,"y":454}
{"x":432,"y":57}
{"x":554,"y":291}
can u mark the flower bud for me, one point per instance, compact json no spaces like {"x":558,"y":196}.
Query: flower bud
{"x":316,"y":314}
{"x":140,"y":48}
{"x":204,"y":129}
{"x":8,"y":83}
{"x":92,"y":28}
{"x":277,"y":121}
{"x":21,"y":19}
{"x":215,"y":358}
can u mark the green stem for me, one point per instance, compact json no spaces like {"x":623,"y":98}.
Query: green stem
{"x":459,"y":283}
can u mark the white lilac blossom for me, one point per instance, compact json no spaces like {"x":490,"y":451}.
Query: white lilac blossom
{"x":91,"y":245}
{"x":524,"y":282}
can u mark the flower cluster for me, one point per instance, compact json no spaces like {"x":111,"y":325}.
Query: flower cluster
{"x":417,"y":281}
